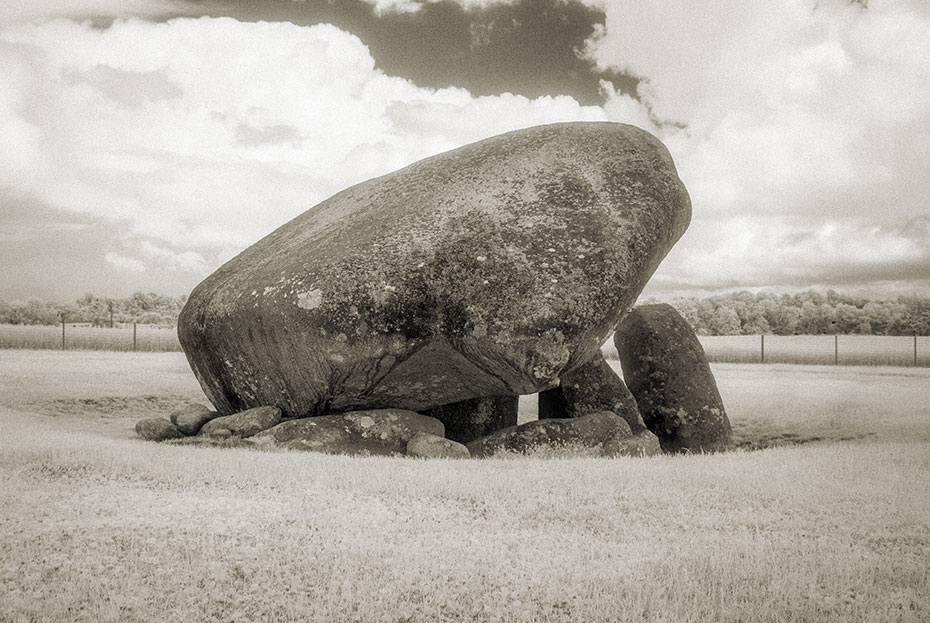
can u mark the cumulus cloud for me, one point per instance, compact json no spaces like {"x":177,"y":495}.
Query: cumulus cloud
{"x":801,"y":128}
{"x":205,"y":134}
{"x":146,"y":254}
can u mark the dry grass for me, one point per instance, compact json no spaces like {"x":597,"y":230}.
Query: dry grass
{"x":149,"y":338}
{"x":104,"y":392}
{"x":98,"y":528}
{"x":781,"y":403}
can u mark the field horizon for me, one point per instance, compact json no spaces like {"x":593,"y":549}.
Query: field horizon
{"x":849,"y":350}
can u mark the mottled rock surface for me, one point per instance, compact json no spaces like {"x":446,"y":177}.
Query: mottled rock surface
{"x":591,"y":388}
{"x":600,"y":434}
{"x":470,"y":419}
{"x":667,"y":372}
{"x":488,"y":270}
{"x":243,"y":424}
{"x":191,"y":418}
{"x":376,"y":432}
{"x":426,"y":446}
{"x":157,"y":429}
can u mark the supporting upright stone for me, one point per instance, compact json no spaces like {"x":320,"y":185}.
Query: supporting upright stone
{"x":591,"y":388}
{"x":667,"y":372}
{"x":470,"y":419}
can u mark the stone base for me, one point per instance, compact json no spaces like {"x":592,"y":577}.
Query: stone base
{"x":597,"y":434}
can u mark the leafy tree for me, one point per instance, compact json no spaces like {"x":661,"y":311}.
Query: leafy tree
{"x":724,"y":321}
{"x":805,"y":312}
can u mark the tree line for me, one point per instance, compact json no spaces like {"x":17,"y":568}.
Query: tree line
{"x":141,"y":307}
{"x":737,"y":313}
{"x":805,"y":313}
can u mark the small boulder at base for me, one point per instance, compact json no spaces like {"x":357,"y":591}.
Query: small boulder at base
{"x":191,"y":418}
{"x":426,"y":446}
{"x":598,"y":434}
{"x":157,"y":429}
{"x":667,"y":372}
{"x":488,"y":270}
{"x":243,"y":424}
{"x":374,"y":432}
{"x":470,"y":419}
{"x":591,"y":388}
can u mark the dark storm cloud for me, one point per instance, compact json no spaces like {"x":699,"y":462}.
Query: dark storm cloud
{"x":529,"y":48}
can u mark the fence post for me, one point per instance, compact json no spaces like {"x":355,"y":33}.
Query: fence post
{"x":762,"y":350}
{"x":915,"y":348}
{"x":134,"y":336}
{"x":62,"y":333}
{"x":836,"y":350}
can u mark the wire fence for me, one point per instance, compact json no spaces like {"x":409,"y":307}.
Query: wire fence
{"x":69,"y":336}
{"x":853,"y":350}
{"x":848,"y":350}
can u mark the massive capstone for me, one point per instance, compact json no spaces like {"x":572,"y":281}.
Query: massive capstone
{"x":488,"y":270}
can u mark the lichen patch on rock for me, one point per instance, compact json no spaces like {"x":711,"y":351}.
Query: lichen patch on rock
{"x":310,"y":300}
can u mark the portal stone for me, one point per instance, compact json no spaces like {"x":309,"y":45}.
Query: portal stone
{"x":667,"y":372}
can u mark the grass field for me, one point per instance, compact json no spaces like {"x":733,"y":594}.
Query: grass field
{"x":97,"y":526}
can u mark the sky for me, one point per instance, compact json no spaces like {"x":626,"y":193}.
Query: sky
{"x":145,"y":142}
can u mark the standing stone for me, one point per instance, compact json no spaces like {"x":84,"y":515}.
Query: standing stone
{"x":375,"y":432}
{"x":667,"y":372}
{"x":243,"y":424}
{"x":426,"y":446}
{"x":156,"y":429}
{"x":601,"y":434}
{"x":591,"y":388}
{"x":489,"y":270}
{"x":470,"y":419}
